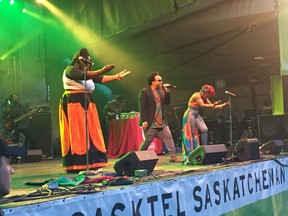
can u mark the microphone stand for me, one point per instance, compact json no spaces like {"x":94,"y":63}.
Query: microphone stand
{"x":86,"y":117}
{"x":176,"y":117}
{"x":230,"y":120}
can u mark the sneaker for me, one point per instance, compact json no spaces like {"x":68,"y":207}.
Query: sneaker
{"x":186,"y":162}
{"x":174,"y":158}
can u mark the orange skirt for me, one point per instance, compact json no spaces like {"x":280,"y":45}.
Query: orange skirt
{"x":72,"y":124}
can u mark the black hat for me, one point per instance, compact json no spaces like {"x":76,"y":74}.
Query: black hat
{"x":6,"y":150}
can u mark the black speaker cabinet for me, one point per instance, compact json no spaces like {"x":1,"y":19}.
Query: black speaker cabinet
{"x":32,"y":156}
{"x":245,"y":149}
{"x":137,"y":160}
{"x":39,"y":127}
{"x":208,"y":154}
{"x":273,"y":147}
{"x":272,"y":127}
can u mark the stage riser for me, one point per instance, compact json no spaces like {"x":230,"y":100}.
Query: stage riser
{"x":246,"y":189}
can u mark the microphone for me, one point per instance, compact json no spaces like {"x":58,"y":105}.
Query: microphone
{"x":8,"y":102}
{"x":167,"y":85}
{"x":229,"y":93}
{"x":85,"y":60}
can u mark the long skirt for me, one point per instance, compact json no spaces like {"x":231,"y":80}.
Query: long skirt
{"x":190,"y":139}
{"x":79,"y":154}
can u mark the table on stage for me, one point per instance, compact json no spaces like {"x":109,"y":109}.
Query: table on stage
{"x":126,"y":135}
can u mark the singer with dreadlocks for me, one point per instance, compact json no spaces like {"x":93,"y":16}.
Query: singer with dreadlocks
{"x":78,"y":82}
{"x":192,"y":121}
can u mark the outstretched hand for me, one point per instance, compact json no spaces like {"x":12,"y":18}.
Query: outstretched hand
{"x":108,"y":67}
{"x":226,"y":103}
{"x":220,"y":106}
{"x":216,"y":103}
{"x":122,"y":74}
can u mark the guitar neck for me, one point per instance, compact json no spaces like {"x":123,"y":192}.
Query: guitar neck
{"x":24,"y":116}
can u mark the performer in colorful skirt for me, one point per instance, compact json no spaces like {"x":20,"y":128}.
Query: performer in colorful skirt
{"x":76,"y":123}
{"x":193,"y":122}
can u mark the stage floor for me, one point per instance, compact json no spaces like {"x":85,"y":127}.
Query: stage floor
{"x":52,"y":169}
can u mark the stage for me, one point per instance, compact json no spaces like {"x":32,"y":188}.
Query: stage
{"x":230,"y":188}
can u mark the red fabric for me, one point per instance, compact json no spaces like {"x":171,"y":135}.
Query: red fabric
{"x":125,"y":136}
{"x":157,"y":146}
{"x":97,"y":179}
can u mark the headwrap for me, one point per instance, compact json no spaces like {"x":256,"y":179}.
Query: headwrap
{"x":208,"y":89}
{"x":76,"y":61}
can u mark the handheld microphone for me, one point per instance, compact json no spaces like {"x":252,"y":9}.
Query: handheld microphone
{"x":85,"y":60}
{"x":167,"y":85}
{"x":229,"y":93}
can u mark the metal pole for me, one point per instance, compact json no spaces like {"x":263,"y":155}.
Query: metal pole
{"x":231,"y":123}
{"x":86,"y":119}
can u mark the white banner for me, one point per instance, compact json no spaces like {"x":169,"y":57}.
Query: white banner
{"x":211,"y":193}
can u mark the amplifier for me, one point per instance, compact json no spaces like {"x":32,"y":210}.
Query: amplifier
{"x":41,"y":107}
{"x":39,"y":127}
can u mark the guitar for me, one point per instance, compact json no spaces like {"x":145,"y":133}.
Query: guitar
{"x":10,"y":122}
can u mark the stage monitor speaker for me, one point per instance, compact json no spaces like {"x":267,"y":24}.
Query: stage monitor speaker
{"x":273,"y":147}
{"x":39,"y":127}
{"x":272,"y":127}
{"x":245,"y":149}
{"x":208,"y":154}
{"x":32,"y":156}
{"x":138,"y":160}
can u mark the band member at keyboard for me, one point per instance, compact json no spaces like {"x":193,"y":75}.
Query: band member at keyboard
{"x":16,"y":122}
{"x":192,"y":121}
{"x":72,"y":114}
{"x":112,"y":110}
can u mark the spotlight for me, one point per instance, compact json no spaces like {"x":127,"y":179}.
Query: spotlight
{"x":23,"y":10}
{"x":40,"y":1}
{"x":12,"y":2}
